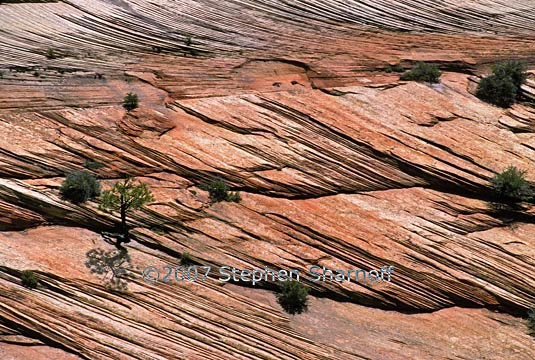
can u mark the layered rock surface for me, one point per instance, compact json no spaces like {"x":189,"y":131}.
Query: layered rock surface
{"x":338,"y":162}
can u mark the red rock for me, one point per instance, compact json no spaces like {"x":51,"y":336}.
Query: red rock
{"x":338,"y":162}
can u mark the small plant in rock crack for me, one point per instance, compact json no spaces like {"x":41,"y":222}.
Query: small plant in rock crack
{"x":511,"y":186}
{"x":93,"y":165}
{"x":422,"y":72}
{"x":79,"y":187}
{"x":220,"y":191}
{"x":186,"y":259}
{"x":130,"y":101}
{"x":28,"y":279}
{"x":51,"y":54}
{"x":394,"y":68}
{"x":293,"y":297}
{"x":112,"y":265}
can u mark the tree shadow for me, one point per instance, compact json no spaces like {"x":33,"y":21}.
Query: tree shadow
{"x":112,"y":265}
{"x":116,"y":239}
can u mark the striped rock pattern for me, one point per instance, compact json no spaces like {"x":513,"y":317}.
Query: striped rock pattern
{"x":338,"y":162}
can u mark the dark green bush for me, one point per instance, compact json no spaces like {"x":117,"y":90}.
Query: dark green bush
{"x":293,"y":297}
{"x":79,"y":187}
{"x":93,"y":165}
{"x":497,"y":90}
{"x":511,"y":185}
{"x":28,"y":279}
{"x":394,"y":68}
{"x":516,"y":70}
{"x":502,"y":87}
{"x":130,"y":101}
{"x":219,"y":191}
{"x":422,"y":72}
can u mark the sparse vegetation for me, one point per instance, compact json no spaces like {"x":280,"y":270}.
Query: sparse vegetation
{"x":220,"y":191}
{"x":186,"y":259}
{"x":423,"y":72}
{"x":79,"y":187}
{"x":51,"y":54}
{"x":102,"y":262}
{"x":28,"y":279}
{"x":497,"y":90}
{"x":123,"y":197}
{"x":516,"y":70}
{"x":93,"y":165}
{"x":130,"y":101}
{"x":511,"y":185}
{"x":394,"y":68}
{"x":36,"y":74}
{"x":502,"y":87}
{"x":293,"y":297}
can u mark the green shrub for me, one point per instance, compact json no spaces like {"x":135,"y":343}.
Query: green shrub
{"x":502,"y":87}
{"x":130,"y":101}
{"x":50,"y":54}
{"x":28,"y":279}
{"x":516,"y":70}
{"x":531,"y":320}
{"x":219,"y":191}
{"x":93,"y":165}
{"x":500,"y":91}
{"x":422,"y":72}
{"x":79,"y":187}
{"x":511,"y":185}
{"x":394,"y":68}
{"x":293,"y":297}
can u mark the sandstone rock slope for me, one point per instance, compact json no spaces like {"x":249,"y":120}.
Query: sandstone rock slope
{"x":339,"y":164}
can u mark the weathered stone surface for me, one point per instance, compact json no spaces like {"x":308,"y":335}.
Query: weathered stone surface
{"x":338,"y":162}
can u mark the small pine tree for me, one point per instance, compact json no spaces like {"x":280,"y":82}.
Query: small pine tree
{"x":123,"y":197}
{"x":511,"y":185}
{"x":130,"y":101}
{"x":79,"y":187}
{"x":28,"y":279}
{"x":422,"y":72}
{"x":293,"y":297}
